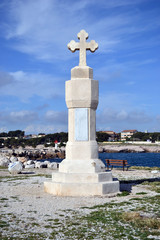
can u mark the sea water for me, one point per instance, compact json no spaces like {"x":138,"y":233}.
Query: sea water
{"x":133,"y":159}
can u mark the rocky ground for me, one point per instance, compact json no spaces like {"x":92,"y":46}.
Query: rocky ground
{"x":27,"y":212}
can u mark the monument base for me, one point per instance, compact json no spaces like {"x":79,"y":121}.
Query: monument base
{"x":81,"y":184}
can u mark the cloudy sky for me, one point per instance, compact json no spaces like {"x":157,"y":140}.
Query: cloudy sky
{"x":35,"y":62}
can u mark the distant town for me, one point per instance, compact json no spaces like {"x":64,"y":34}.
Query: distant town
{"x":13,"y":139}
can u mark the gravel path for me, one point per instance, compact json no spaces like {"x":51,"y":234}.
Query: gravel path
{"x":23,"y":198}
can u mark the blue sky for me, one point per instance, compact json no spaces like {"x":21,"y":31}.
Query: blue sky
{"x":35,"y":62}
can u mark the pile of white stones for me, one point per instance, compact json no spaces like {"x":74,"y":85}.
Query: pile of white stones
{"x":16,"y":164}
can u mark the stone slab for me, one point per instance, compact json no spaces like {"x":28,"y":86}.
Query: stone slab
{"x":81,"y":72}
{"x":81,"y":177}
{"x":82,"y":93}
{"x":81,"y":124}
{"x":81,"y":189}
{"x":79,"y":150}
{"x":82,"y":166}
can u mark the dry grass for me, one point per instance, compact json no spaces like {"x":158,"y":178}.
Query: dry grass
{"x":141,"y":221}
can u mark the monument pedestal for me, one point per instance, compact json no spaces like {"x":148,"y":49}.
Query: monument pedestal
{"x":81,"y":184}
{"x":82,"y":173}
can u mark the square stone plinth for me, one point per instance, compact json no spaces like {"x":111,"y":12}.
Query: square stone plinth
{"x":92,"y":184}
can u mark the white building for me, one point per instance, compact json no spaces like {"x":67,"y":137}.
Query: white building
{"x":127,"y":134}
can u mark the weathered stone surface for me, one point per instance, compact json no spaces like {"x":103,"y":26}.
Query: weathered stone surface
{"x":4,"y":161}
{"x":83,"y":72}
{"x":40,"y":165}
{"x":82,"y":46}
{"x":13,"y":159}
{"x":46,"y":162}
{"x":43,"y":165}
{"x":53,"y":165}
{"x":29,"y":162}
{"x":22,"y":159}
{"x":30,"y":166}
{"x":81,"y":189}
{"x":81,"y":172}
{"x":85,"y":96}
{"x":15,"y":168}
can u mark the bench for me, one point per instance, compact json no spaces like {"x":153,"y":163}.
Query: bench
{"x":117,"y":163}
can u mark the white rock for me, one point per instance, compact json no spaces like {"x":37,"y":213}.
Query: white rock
{"x":43,"y":165}
{"x":46,"y":162}
{"x":29,"y":162}
{"x":13,"y":159}
{"x":37,"y":164}
{"x":30,"y":166}
{"x":40,"y":165}
{"x":15,"y":167}
{"x":155,"y":171}
{"x":4,"y":161}
{"x":53,"y":165}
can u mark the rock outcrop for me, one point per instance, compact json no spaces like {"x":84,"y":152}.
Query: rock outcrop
{"x":113,"y":148}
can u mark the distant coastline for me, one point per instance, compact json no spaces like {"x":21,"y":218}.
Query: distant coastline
{"x":42,"y":152}
{"x":139,"y":148}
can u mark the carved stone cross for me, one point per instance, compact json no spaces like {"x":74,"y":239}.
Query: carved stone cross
{"x":82,"y":46}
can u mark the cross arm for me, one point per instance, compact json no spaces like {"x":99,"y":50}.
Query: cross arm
{"x":73,"y":46}
{"x":92,"y":46}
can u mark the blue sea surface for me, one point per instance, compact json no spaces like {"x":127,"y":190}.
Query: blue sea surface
{"x":134,"y":159}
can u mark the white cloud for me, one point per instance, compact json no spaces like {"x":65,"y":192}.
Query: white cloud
{"x":119,"y":3}
{"x":109,"y":116}
{"x":25,"y":85}
{"x":38,"y":128}
{"x":17,"y":117}
{"x":23,"y":116}
{"x":6,"y":79}
{"x":43,"y":28}
{"x":158,"y":119}
{"x":3,"y":129}
{"x":56,"y":117}
{"x":122,"y":115}
{"x":115,"y":100}
{"x":130,"y":83}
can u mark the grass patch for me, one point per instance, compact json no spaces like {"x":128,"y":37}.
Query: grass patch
{"x":35,"y":224}
{"x":42,"y":175}
{"x":3,"y":224}
{"x":3,"y":168}
{"x":144,"y":168}
{"x":123,"y":194}
{"x":3,"y":199}
{"x":153,"y":186}
{"x":32,"y":211}
{"x":141,"y":193}
{"x":15,"y":197}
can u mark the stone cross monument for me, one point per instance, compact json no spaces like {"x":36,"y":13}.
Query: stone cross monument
{"x":82,"y":46}
{"x":82,"y":173}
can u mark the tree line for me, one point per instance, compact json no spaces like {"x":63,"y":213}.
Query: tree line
{"x":17,"y":133}
{"x":17,"y":138}
{"x":141,"y":136}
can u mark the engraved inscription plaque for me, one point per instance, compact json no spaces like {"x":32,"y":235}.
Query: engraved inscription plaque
{"x":81,"y":124}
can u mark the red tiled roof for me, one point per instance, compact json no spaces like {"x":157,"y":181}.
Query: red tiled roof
{"x":129,"y":130}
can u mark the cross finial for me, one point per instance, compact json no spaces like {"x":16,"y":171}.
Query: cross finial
{"x":82,"y":46}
